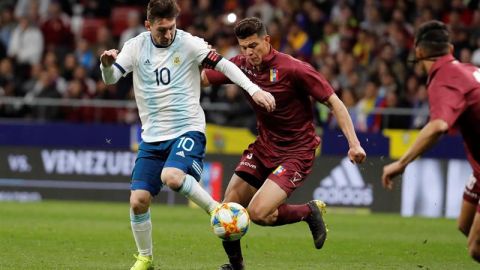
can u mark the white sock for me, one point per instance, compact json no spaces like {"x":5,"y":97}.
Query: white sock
{"x":192,"y":190}
{"x":142,"y":232}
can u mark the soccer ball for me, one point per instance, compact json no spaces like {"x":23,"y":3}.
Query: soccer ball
{"x":230,"y":221}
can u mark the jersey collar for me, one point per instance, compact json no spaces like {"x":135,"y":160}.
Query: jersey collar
{"x":160,"y":46}
{"x":438,"y":64}
{"x":268,"y":58}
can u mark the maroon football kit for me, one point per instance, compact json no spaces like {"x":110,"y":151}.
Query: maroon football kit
{"x":454,"y":96}
{"x":284,"y":150}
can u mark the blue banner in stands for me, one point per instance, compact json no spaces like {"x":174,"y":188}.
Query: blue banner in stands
{"x":65,"y":135}
{"x":376,"y":144}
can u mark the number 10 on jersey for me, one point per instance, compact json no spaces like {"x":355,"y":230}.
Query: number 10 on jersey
{"x":162,"y":75}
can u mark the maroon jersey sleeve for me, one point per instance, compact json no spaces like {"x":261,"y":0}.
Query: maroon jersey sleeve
{"x":313,"y":82}
{"x":217,"y":78}
{"x":446,"y":101}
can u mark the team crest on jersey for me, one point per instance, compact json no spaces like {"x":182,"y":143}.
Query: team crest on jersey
{"x":273,"y":74}
{"x":176,"y":59}
{"x":279,"y":171}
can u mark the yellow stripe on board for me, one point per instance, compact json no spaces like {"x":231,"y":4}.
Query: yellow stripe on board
{"x":227,"y":140}
{"x":400,"y":141}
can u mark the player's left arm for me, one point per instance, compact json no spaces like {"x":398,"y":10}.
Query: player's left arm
{"x":320,"y":89}
{"x":232,"y":72}
{"x":211,"y":59}
{"x":355,"y":152}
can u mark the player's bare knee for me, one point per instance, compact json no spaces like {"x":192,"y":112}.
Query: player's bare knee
{"x":139,"y":204}
{"x":257,"y":216}
{"x":173,"y":178}
{"x":230,"y":196}
{"x":233,"y":196}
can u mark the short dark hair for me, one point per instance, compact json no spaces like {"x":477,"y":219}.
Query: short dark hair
{"x":434,"y":37}
{"x":162,"y":9}
{"x":248,"y":27}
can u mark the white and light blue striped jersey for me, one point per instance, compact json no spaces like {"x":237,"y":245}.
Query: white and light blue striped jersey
{"x":166,"y":82}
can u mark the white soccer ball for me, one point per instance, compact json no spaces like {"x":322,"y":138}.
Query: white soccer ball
{"x":230,"y":221}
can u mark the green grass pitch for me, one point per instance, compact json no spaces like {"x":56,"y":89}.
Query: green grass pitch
{"x":87,"y":235}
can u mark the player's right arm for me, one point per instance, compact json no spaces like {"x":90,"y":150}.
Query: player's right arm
{"x":110,"y":75}
{"x":428,"y":136}
{"x":115,"y":65}
{"x":447,"y":103}
{"x":204,"y":79}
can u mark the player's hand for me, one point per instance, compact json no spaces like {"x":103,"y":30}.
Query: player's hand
{"x":265,"y":100}
{"x":108,"y":57}
{"x":356,"y":154}
{"x":390,"y":171}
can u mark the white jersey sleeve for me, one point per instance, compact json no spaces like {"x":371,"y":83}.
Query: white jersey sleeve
{"x":123,"y":64}
{"x":236,"y":75}
{"x":210,"y":59}
{"x":126,"y":57}
{"x":200,"y":49}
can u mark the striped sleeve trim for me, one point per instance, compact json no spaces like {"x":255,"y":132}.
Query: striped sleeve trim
{"x":211,"y":60}
{"x":120,"y":68}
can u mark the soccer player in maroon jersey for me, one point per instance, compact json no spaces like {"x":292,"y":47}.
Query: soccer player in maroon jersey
{"x":454,"y":97}
{"x":283,"y":154}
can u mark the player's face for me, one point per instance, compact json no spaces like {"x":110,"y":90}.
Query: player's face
{"x":420,"y":54}
{"x":162,"y":30}
{"x":255,"y":48}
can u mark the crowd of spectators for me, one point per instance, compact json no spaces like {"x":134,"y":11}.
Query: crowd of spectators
{"x":50,"y":49}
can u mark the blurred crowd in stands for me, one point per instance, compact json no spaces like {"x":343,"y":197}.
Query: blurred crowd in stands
{"x":50,"y":49}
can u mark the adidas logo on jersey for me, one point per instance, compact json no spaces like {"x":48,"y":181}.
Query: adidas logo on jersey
{"x":344,"y":186}
{"x":147,"y":62}
{"x":180,"y":153}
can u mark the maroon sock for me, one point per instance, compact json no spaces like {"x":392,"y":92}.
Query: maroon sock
{"x":288,"y":213}
{"x":234,"y":252}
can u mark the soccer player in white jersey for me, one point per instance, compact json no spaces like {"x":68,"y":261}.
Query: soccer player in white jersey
{"x":166,"y":80}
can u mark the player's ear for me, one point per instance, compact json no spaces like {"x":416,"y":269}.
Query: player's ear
{"x":147,"y":25}
{"x":267,"y":38}
{"x":419,"y":53}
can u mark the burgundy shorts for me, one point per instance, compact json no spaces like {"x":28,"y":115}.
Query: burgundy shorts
{"x":288,"y":175}
{"x":472,"y":190}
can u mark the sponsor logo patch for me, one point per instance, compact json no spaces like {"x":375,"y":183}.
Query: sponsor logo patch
{"x":248,"y":164}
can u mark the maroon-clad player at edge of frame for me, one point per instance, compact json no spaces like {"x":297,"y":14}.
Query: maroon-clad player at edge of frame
{"x":282,"y":156}
{"x":454,"y":99}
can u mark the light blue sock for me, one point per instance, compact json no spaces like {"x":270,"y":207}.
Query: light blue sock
{"x":142,"y":232}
